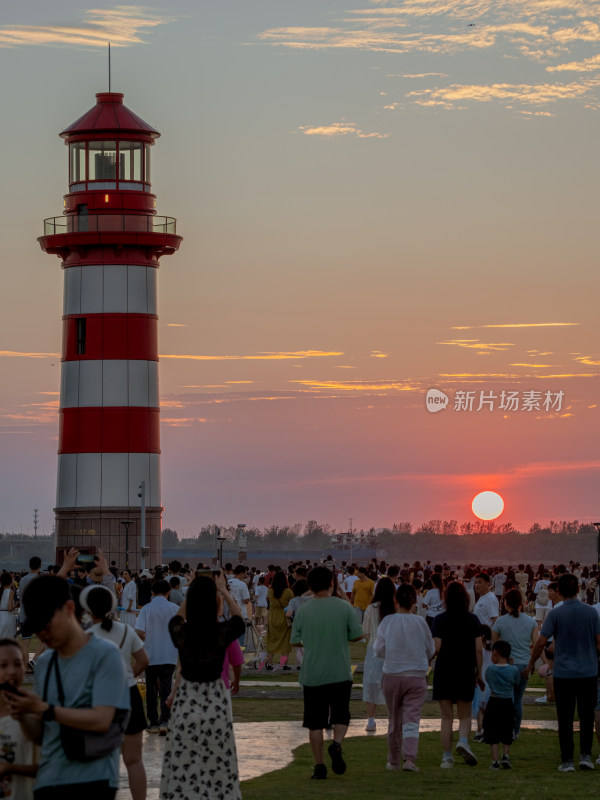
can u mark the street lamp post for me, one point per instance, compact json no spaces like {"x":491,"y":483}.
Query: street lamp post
{"x":126,"y":523}
{"x":597,"y":526}
{"x":220,"y":540}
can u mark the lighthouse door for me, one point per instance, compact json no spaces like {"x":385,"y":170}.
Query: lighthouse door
{"x":82,"y":214}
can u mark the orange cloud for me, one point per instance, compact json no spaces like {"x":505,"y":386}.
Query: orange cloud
{"x":263,"y":356}
{"x":517,"y":325}
{"x":121,"y":26}
{"x":483,"y":347}
{"x":360,"y":386}
{"x":19,"y":354}
{"x":337,"y":129}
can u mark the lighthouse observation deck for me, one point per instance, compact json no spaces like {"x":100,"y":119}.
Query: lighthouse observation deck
{"x":108,"y":223}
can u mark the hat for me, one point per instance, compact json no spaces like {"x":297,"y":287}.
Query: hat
{"x":42,"y":597}
{"x":145,"y":573}
{"x":83,"y":597}
{"x":96,"y":574}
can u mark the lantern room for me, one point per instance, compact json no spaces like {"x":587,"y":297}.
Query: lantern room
{"x":109,"y":153}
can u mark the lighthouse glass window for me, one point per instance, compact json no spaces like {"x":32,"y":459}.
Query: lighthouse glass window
{"x":130,"y":165}
{"x":77,"y":163}
{"x":102,"y":164}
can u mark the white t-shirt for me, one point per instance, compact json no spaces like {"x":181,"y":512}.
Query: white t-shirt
{"x":129,"y":595}
{"x":16,"y":748}
{"x":487,"y":609}
{"x":349,"y":583}
{"x":131,"y":644}
{"x":240,"y":593}
{"x":536,"y":589}
{"x":261,"y":593}
{"x":499,"y":581}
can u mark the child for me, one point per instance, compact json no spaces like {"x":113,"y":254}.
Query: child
{"x":499,"y":715}
{"x":18,"y":756}
{"x":260,"y":612}
{"x":481,"y":696}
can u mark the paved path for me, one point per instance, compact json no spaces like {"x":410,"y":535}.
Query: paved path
{"x":267,"y":746}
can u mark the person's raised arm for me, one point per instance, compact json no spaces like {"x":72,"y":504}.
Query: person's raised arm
{"x":222,"y":587}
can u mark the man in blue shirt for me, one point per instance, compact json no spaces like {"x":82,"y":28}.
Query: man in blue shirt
{"x":93,"y":678}
{"x":576,"y":631}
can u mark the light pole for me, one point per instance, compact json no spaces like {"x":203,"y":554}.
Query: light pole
{"x":126,"y":523}
{"x":142,"y":496}
{"x":597,"y":526}
{"x":220,"y":540}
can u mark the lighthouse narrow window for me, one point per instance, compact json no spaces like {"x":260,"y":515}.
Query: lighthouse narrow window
{"x":81,"y":336}
{"x":77,"y":162}
{"x":130,"y":163}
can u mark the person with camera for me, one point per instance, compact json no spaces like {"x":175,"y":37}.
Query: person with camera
{"x":79,"y":708}
{"x":200,"y":757}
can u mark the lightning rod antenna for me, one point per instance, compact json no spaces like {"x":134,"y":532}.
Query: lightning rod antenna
{"x":109,"y":66}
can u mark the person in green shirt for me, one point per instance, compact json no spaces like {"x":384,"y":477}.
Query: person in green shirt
{"x":324,"y":626}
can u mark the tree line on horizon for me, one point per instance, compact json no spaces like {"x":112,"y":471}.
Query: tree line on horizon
{"x":317,"y":536}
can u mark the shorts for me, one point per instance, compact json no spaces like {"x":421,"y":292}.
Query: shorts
{"x":499,"y":720}
{"x":25,"y":631}
{"x":137,"y":719}
{"x":327,"y":704}
{"x":94,"y":790}
{"x":542,"y":613}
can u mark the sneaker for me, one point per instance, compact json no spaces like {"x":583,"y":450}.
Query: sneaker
{"x":478,"y":737}
{"x":319,"y":772}
{"x":447,"y":763}
{"x":392,"y":767}
{"x":338,"y":765}
{"x":371,"y":726}
{"x":286,"y":668}
{"x":409,"y":766}
{"x":542,"y":699}
{"x":153,"y":729}
{"x":598,"y":760}
{"x":465,"y":751}
{"x":495,"y":765}
{"x":567,"y":766}
{"x":32,"y":665}
{"x":269,"y":667}
{"x":506,"y":762}
{"x":585,"y":762}
{"x":162,"y":730}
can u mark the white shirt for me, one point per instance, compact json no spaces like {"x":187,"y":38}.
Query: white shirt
{"x":153,"y":620}
{"x":349,"y":583}
{"x":240,"y":593}
{"x":405,"y":643}
{"x":536,"y":589}
{"x":487,"y":609}
{"x":131,"y":644}
{"x":129,"y":595}
{"x":261,"y":593}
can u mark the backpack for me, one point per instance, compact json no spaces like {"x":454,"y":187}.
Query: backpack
{"x":542,"y":596}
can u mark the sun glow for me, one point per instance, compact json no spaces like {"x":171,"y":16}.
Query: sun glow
{"x":487,"y":505}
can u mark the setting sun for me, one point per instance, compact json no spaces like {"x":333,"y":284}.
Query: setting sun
{"x":487,"y":505}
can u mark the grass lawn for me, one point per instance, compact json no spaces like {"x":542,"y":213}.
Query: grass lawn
{"x":534,"y":775}
{"x":269,"y":709}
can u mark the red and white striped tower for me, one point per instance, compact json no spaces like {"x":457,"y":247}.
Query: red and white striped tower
{"x":109,"y":240}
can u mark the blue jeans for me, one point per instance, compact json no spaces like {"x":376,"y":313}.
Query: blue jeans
{"x":519,"y":692}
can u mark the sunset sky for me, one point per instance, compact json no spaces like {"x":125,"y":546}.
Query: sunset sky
{"x":377,"y":198}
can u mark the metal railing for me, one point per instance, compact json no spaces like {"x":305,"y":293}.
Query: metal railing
{"x":109,"y":223}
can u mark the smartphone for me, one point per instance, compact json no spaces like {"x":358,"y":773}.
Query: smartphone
{"x":208,"y":573}
{"x":85,"y":558}
{"x":8,"y":687}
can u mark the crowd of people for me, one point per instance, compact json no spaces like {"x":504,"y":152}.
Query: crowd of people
{"x":108,"y":638}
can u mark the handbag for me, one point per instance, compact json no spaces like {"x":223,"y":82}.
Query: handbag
{"x":80,"y":745}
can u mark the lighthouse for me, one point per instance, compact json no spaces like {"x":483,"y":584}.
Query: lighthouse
{"x":109,"y":240}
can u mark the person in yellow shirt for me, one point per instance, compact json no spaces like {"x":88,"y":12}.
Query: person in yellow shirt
{"x":362,"y":592}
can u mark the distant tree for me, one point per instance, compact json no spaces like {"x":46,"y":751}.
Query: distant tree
{"x":449,"y":527}
{"x":402,"y":527}
{"x":169,"y":538}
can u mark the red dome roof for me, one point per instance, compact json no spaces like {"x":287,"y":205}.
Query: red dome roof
{"x":109,"y":115}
